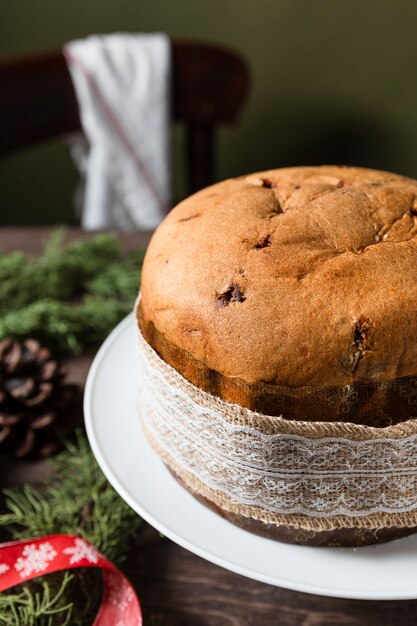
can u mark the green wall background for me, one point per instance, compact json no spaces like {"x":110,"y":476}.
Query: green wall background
{"x":333,"y":81}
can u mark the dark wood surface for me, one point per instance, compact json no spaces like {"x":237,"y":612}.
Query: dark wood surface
{"x":177,"y":588}
{"x":209,"y":86}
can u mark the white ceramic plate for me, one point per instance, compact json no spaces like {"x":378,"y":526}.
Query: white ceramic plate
{"x":385,"y":572}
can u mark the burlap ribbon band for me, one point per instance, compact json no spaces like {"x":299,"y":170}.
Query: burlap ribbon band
{"x":309,"y":475}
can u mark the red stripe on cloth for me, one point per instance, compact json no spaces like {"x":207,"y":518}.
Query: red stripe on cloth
{"x":120,"y":131}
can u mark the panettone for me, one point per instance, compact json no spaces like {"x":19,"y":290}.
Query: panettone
{"x":292,"y":293}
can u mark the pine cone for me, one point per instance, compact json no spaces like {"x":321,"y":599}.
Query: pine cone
{"x":34,"y":399}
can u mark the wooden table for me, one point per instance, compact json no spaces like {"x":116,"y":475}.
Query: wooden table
{"x":177,"y":588}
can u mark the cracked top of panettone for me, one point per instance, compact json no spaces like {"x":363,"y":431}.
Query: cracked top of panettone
{"x":303,"y":276}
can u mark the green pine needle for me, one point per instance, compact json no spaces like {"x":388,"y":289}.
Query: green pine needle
{"x":41,"y":604}
{"x":76,"y":500}
{"x":70,"y":297}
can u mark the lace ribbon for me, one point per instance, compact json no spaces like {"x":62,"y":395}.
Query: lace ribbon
{"x":312,"y":475}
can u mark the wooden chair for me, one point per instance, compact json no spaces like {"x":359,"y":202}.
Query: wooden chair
{"x":209,"y":87}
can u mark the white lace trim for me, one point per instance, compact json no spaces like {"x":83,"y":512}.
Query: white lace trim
{"x":281,"y":473}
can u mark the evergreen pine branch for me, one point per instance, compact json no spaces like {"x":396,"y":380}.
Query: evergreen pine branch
{"x":61,"y":272}
{"x":118,"y":280}
{"x":76,"y":500}
{"x":71,"y":296}
{"x":64,"y":327}
{"x":41,"y":604}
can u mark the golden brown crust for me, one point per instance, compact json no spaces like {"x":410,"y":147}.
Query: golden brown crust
{"x":371,"y":403}
{"x":295,"y":277}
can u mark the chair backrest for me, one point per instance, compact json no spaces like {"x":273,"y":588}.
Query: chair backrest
{"x":209,"y":87}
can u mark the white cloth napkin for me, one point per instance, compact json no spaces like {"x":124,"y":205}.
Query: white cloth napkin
{"x":122,"y":83}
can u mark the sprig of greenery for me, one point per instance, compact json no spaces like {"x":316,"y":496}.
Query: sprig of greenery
{"x":38,"y":605}
{"x":65,"y":327}
{"x":76,"y":500}
{"x":71,"y":296}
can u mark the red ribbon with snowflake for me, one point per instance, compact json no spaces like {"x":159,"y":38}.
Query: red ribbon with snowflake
{"x":23,"y":560}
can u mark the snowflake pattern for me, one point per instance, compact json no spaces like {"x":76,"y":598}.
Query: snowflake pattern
{"x":82,"y":550}
{"x":4,"y":568}
{"x":35,"y":558}
{"x":343,"y":400}
{"x":120,"y":595}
